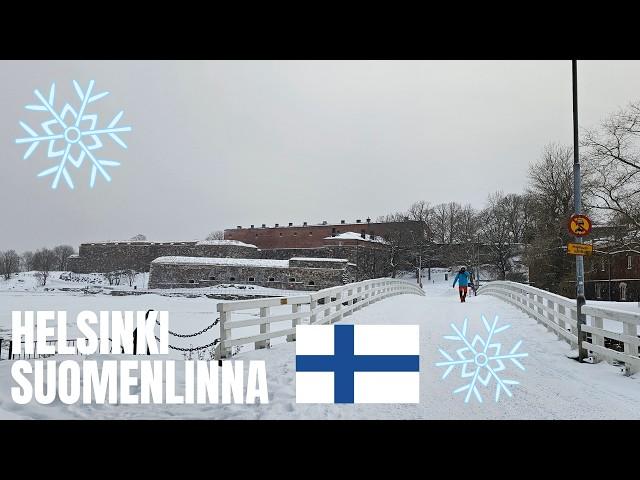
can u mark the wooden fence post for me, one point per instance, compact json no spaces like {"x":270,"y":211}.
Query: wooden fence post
{"x":556,"y":315}
{"x":296,"y":321}
{"x":264,"y":328}
{"x":327,"y":310}
{"x":630,"y":329}
{"x":338,"y":307}
{"x":597,"y":339}
{"x":225,"y":352}
{"x":313,"y":317}
{"x":349,"y":302}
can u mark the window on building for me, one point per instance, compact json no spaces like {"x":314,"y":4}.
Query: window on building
{"x":252,"y":279}
{"x":310,"y":234}
{"x":280,"y":233}
{"x":212,"y":278}
{"x":292,"y":279}
{"x":295,"y":234}
{"x":232,"y":279}
{"x":271,"y":279}
{"x":629,"y":262}
{"x":623,"y":291}
{"x":256,"y":234}
{"x":192,"y":281}
{"x":312,"y":282}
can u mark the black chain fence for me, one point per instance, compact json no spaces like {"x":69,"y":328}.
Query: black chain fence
{"x":188,"y":335}
{"x":193,"y":349}
{"x":173,"y":347}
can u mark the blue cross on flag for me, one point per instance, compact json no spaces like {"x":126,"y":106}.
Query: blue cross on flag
{"x":357,"y":364}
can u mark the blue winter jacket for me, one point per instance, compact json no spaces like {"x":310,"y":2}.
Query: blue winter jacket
{"x":462,"y":279}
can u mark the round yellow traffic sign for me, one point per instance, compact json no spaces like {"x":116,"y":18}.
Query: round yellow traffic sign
{"x":580,"y":225}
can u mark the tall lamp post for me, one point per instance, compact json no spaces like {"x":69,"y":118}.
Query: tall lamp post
{"x":580,"y":298}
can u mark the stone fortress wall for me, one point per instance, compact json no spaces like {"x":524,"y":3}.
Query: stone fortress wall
{"x":355,"y":256}
{"x":293,"y":274}
{"x":111,"y":256}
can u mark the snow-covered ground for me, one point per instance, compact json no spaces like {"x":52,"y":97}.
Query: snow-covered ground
{"x":27,"y":282}
{"x":96,"y":283}
{"x":552,"y":386}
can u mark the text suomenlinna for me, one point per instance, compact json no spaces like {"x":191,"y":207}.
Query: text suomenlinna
{"x":122,"y":381}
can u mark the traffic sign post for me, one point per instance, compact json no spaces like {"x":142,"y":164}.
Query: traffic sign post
{"x":580,"y":225}
{"x":579,"y":249}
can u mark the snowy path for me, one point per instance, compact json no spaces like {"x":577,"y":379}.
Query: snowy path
{"x":552,"y":387}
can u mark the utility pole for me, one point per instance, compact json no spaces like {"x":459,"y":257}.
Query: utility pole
{"x":580,"y":298}
{"x":420,"y":272}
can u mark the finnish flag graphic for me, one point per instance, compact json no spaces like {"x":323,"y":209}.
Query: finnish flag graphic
{"x":357,"y":364}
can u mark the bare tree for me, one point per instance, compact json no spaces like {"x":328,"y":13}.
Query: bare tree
{"x":215,"y":235}
{"x":44,"y":260}
{"x":613,"y":156}
{"x":548,"y":206}
{"x":421,"y":213}
{"x":449,"y":222}
{"x":551,"y":181}
{"x":26,"y":261}
{"x":62,"y":253}
{"x":131,"y":275}
{"x":113,"y":277}
{"x":439,"y":223}
{"x":497,"y":234}
{"x":138,"y":238}
{"x":453,"y":221}
{"x":398,"y":242}
{"x":10,"y":263}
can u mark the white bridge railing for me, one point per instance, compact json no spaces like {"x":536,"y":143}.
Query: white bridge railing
{"x":274,"y":318}
{"x":558,"y":314}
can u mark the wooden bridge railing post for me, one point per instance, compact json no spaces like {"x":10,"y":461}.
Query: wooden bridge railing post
{"x":264,"y":328}
{"x":295,"y":308}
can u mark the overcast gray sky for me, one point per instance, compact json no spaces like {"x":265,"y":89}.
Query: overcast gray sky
{"x":217,"y":144}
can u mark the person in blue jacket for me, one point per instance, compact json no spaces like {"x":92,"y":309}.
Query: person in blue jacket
{"x":462,"y":278}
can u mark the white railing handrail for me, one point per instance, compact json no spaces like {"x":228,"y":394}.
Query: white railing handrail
{"x":559,"y":314}
{"x":329,"y":305}
{"x":616,"y":314}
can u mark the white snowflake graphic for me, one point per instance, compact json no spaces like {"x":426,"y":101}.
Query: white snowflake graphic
{"x":74,"y":130}
{"x":481,"y":360}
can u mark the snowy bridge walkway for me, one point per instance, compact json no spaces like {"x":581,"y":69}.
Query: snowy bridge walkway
{"x":552,"y":386}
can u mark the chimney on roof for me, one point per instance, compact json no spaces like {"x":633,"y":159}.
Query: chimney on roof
{"x":264,"y":225}
{"x":252,"y":226}
{"x":304,"y":224}
{"x":324,"y":222}
{"x":277,"y":225}
{"x":358,"y":221}
{"x":368,"y":220}
{"x":342,"y":222}
{"x":239,"y":227}
{"x":291,"y":224}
